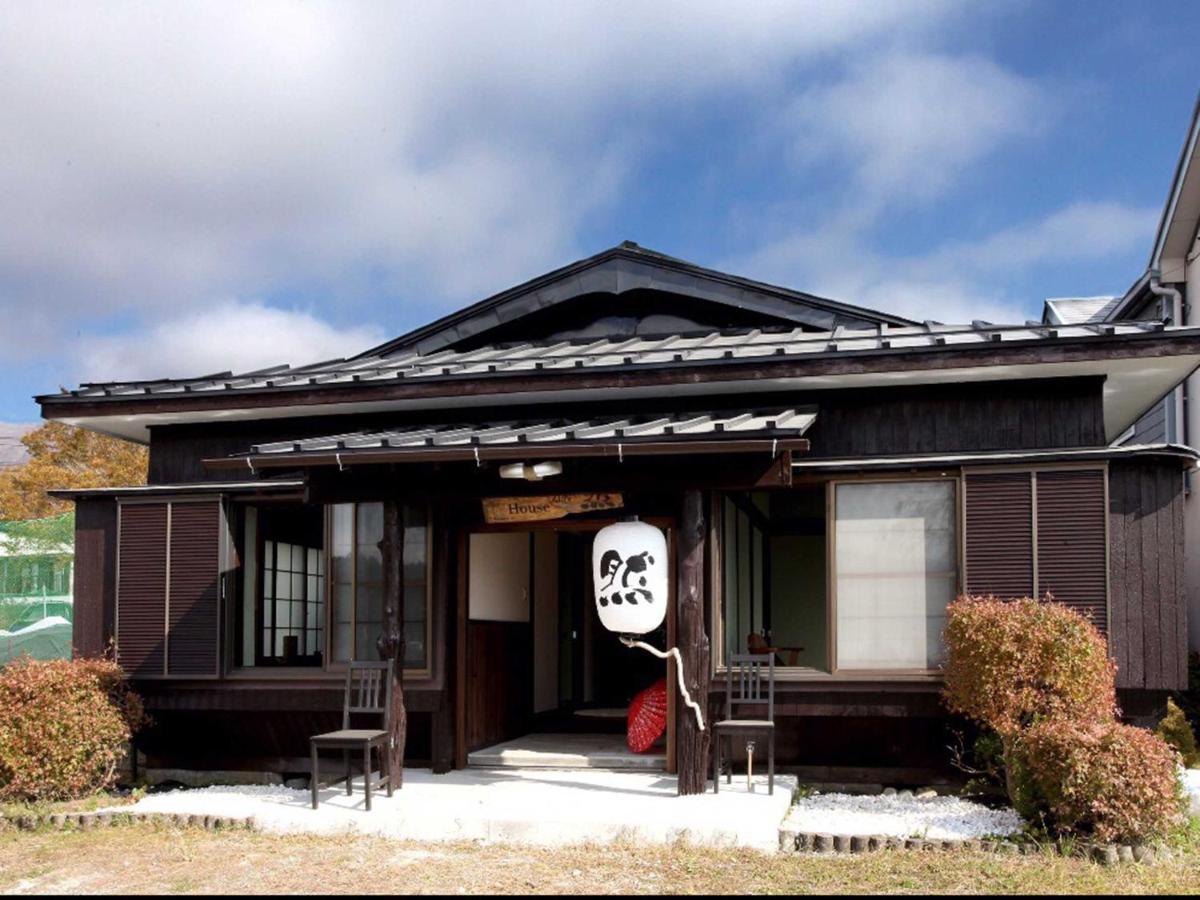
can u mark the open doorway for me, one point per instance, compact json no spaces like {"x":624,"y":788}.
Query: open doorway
{"x":545,"y":683}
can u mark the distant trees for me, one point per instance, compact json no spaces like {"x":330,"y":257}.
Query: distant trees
{"x":63,"y":456}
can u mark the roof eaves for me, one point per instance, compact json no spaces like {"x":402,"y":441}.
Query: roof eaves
{"x":999,"y":457}
{"x":1131,"y":297}
{"x":264,"y":486}
{"x":1185,"y":159}
{"x":602,"y":356}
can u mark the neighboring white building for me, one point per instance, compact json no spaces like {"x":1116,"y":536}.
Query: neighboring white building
{"x":1169,"y":291}
{"x":36,"y":587}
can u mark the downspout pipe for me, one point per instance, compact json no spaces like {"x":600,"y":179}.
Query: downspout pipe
{"x":1175,"y":298}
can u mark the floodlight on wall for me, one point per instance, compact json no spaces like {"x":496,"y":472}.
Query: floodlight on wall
{"x":629,"y":573}
{"x":535,"y":472}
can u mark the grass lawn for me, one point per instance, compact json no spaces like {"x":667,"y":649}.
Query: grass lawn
{"x":150,"y":858}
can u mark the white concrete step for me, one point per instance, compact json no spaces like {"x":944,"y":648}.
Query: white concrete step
{"x":567,"y":751}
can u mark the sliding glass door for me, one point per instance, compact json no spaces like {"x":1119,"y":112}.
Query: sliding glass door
{"x":895,"y":570}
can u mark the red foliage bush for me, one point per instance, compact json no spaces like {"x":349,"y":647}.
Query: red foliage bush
{"x":1039,"y":675}
{"x":63,"y":727}
{"x":1112,"y":781}
{"x":1012,"y":663}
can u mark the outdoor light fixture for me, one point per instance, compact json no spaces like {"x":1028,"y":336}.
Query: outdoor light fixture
{"x":535,"y":472}
{"x":629,"y":572}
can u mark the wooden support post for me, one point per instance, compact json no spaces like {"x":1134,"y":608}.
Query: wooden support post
{"x":391,"y":638}
{"x":692,"y":743}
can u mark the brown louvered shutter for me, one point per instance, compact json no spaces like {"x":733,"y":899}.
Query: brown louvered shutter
{"x":142,"y":588}
{"x":999,"y":534}
{"x":193,"y":596}
{"x":1071,"y":540}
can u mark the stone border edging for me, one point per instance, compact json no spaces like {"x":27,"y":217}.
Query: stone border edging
{"x":791,"y":842}
{"x":85,"y":821}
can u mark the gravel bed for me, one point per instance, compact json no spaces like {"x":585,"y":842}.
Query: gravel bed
{"x":900,"y":815}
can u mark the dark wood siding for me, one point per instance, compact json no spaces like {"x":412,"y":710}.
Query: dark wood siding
{"x":193,"y":609}
{"x":1013,"y":415}
{"x":999,"y":534}
{"x":142,"y":588}
{"x":95,"y":592}
{"x":1071,"y":541}
{"x":1149,"y":627}
{"x":951,"y":418}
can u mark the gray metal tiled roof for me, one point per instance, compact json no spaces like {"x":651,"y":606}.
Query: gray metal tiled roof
{"x":1079,"y":310}
{"x":666,"y":351}
{"x":676,"y":426}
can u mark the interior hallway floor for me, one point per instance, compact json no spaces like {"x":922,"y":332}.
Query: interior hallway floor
{"x":568,"y":751}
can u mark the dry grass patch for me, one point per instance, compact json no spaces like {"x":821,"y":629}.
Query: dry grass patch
{"x":151,"y":858}
{"x":102,"y":800}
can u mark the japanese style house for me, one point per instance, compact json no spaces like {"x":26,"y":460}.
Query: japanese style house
{"x":829,"y":478}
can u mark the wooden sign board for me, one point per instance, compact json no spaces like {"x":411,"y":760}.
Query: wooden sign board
{"x":541,"y":509}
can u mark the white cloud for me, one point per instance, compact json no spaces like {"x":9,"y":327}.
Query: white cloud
{"x":905,"y":128}
{"x":158,"y":155}
{"x":1082,"y":231}
{"x":957,"y":281}
{"x":910,"y":123}
{"x":233,"y":336}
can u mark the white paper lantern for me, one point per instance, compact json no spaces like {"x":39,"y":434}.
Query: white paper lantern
{"x":629,"y":571}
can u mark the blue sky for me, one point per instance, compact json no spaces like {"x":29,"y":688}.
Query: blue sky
{"x":190,"y":188}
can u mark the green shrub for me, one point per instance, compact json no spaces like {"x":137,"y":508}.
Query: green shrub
{"x":1111,"y":781}
{"x":1012,"y":663}
{"x":64,"y":727}
{"x":1176,"y":730}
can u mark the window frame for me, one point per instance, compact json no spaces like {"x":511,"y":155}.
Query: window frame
{"x":831,"y":619}
{"x":260,"y":612}
{"x":328,"y":667}
{"x":834,"y":672}
{"x":339,"y":666}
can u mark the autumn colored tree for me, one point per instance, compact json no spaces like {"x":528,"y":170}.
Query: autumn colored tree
{"x":63,"y":456}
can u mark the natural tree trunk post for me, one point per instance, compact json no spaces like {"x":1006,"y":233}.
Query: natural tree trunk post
{"x":391,"y":639}
{"x":692,"y":744}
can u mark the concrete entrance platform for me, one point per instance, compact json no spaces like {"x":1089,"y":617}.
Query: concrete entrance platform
{"x":539,"y":807}
{"x":567,"y":751}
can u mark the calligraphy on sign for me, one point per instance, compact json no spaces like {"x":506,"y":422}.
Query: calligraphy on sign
{"x":540,"y":509}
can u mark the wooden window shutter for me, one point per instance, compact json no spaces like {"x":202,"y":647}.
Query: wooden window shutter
{"x":1072,"y":540}
{"x":998,"y":524}
{"x":168,"y":588}
{"x":142,"y":588}
{"x":194,"y":595}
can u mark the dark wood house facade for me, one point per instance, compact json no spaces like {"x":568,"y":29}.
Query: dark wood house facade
{"x":828,"y":476}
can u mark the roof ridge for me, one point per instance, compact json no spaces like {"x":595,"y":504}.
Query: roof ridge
{"x":633,"y":250}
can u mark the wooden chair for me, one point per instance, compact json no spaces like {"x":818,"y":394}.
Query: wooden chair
{"x":788,"y":656}
{"x":745,"y":672}
{"x":368,"y":691}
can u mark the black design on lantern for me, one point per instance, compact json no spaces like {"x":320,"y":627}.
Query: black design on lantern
{"x":618,"y":572}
